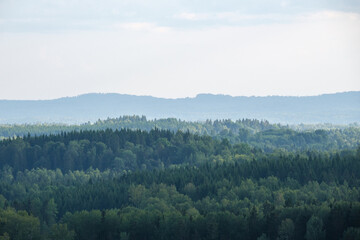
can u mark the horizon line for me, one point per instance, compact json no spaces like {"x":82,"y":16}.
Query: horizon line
{"x":179,"y":98}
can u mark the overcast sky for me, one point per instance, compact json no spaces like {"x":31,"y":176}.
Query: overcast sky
{"x":178,"y":48}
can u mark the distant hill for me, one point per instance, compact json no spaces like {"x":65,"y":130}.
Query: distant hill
{"x":338,"y":108}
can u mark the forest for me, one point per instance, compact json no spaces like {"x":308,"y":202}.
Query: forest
{"x":257,"y":133}
{"x":133,"y":178}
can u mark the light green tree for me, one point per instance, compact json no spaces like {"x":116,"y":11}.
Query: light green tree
{"x":61,"y":232}
{"x":314,"y":229}
{"x":286,"y":230}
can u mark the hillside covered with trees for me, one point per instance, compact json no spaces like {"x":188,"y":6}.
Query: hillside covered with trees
{"x":161,"y":184}
{"x":261,"y":134}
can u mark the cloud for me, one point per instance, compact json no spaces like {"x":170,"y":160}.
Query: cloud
{"x":68,"y":15}
{"x":329,"y":15}
{"x":140,"y":26}
{"x":234,"y":18}
{"x":194,"y":16}
{"x":284,"y":3}
{"x":239,"y":17}
{"x":229,"y":18}
{"x":311,"y":55}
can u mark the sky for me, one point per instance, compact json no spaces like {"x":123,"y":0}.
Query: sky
{"x":178,"y":48}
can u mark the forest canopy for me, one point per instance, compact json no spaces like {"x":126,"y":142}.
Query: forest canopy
{"x":262,"y":134}
{"x":118,"y":183}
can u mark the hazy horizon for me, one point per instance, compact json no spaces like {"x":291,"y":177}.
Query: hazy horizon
{"x":194,"y":96}
{"x":340,"y":108}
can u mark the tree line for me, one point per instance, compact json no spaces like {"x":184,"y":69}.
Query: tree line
{"x":257,"y":133}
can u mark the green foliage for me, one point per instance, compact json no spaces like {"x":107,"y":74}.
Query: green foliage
{"x":61,"y":232}
{"x":126,"y":184}
{"x":260,"y":134}
{"x":314,"y":229}
{"x":351,"y":234}
{"x":2,"y":201}
{"x":18,"y":225}
{"x":262,"y":237}
{"x":286,"y":230}
{"x":5,"y":236}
